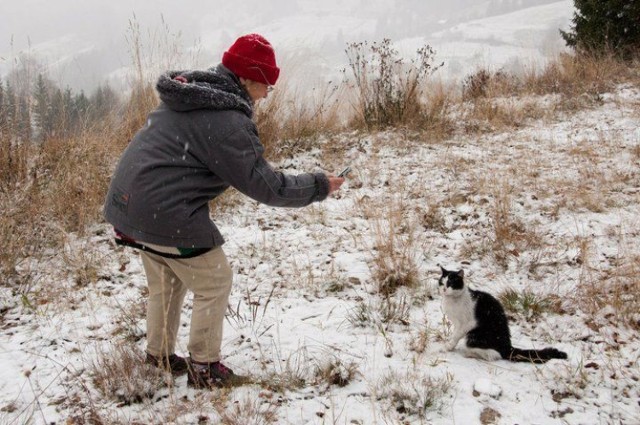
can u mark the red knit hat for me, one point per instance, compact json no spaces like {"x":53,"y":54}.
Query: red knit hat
{"x":252,"y":57}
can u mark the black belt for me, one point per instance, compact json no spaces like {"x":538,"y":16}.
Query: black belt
{"x":194,"y":252}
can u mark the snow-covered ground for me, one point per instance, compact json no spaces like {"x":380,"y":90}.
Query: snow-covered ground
{"x":305,"y":298}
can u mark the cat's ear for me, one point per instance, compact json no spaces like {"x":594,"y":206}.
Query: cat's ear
{"x":460,"y":273}
{"x":444,"y":271}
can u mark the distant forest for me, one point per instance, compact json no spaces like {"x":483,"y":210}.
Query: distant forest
{"x":35,"y":109}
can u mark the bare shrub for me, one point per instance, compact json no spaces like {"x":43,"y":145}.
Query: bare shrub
{"x":484,"y":83}
{"x":334,"y":371}
{"x":249,"y":410}
{"x":121,"y":374}
{"x":291,"y":373}
{"x":412,"y":394}
{"x":387,"y":88}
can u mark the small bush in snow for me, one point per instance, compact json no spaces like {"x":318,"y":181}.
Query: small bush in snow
{"x":122,"y":375}
{"x":413,"y":395}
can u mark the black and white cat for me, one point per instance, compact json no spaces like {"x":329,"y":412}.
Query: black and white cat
{"x":480,"y":318}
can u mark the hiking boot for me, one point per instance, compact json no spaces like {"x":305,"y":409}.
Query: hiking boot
{"x":213,"y":375}
{"x":172,"y":363}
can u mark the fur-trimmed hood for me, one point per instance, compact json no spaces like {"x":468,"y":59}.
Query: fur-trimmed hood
{"x":216,"y":89}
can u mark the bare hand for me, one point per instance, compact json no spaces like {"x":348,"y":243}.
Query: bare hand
{"x":335,"y":183}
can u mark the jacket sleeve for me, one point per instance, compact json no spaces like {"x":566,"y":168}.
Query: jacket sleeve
{"x":238,"y":160}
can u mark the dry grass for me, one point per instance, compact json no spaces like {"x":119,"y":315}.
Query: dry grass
{"x":290,"y":122}
{"x":393,"y":264}
{"x":411,"y":393}
{"x":14,"y":162}
{"x":120,"y":374}
{"x":58,"y":186}
{"x":572,"y":76}
{"x":381,"y":313}
{"x":433,"y":119}
{"x":528,"y":303}
{"x":292,"y":373}
{"x":254,"y":411}
{"x":510,"y":235}
{"x":498,"y":100}
{"x":499,"y":114}
{"x":613,"y":295}
{"x":334,"y":371}
{"x":576,"y":75}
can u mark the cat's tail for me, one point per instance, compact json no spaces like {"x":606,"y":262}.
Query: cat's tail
{"x":535,"y":356}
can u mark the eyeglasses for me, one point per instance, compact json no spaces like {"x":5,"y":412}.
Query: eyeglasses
{"x":269,"y":86}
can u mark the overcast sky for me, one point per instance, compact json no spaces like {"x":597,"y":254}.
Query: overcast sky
{"x":43,"y":20}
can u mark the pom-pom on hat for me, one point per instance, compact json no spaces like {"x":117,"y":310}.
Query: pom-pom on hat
{"x":252,"y":57}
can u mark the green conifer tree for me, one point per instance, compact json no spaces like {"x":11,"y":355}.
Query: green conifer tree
{"x":601,"y":26}
{"x":41,"y":108}
{"x":58,"y":114}
{"x":23,"y":120}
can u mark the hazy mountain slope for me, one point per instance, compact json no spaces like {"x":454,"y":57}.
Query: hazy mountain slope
{"x":81,"y":49}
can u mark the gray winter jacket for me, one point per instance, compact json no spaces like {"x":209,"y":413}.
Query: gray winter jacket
{"x":196,"y":144}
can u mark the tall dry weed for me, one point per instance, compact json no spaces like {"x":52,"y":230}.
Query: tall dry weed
{"x":396,"y":247}
{"x":387,"y":89}
{"x":290,"y":122}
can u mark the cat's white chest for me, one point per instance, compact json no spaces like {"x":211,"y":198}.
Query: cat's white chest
{"x":460,"y":310}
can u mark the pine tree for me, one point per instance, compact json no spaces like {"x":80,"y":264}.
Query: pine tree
{"x":41,"y":113}
{"x":80,"y":111}
{"x":69,"y":108}
{"x":601,"y":26}
{"x":103,"y":102}
{"x":23,"y":120}
{"x":57,"y":113}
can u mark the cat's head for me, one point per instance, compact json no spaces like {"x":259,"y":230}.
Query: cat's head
{"x":452,"y":281}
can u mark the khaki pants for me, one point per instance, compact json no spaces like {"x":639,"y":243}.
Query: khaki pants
{"x":209,"y":277}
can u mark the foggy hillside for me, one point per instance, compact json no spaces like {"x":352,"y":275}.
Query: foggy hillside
{"x":81,"y":44}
